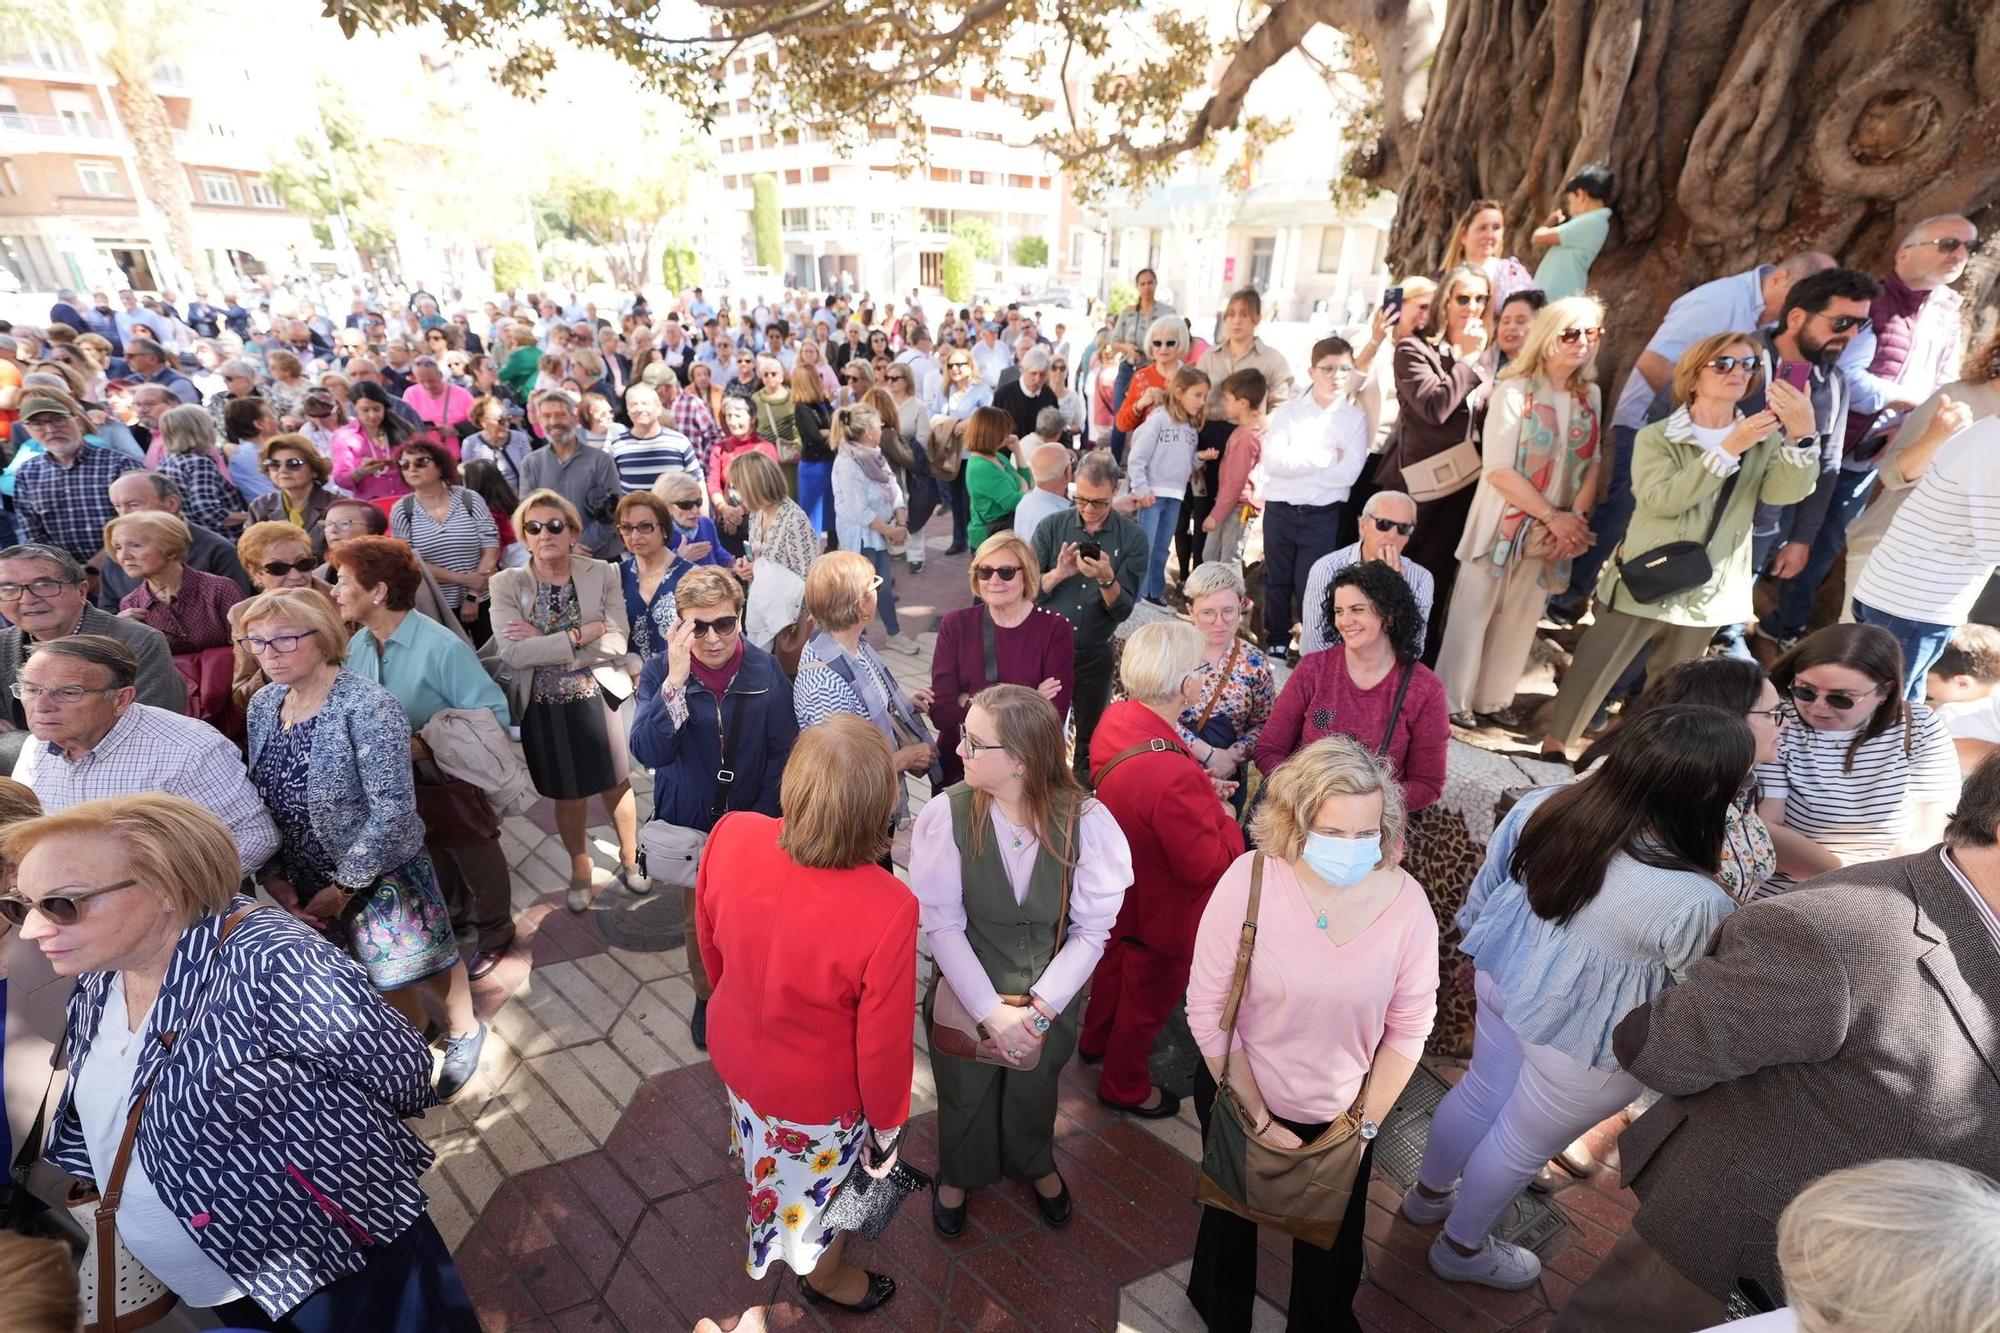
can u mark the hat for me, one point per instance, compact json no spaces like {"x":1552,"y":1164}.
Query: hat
{"x":48,"y":400}
{"x":656,"y":373}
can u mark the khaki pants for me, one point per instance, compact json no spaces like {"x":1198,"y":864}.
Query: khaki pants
{"x":1635,"y":1290}
{"x":1607,"y":648}
{"x":1489,"y":632}
{"x":697,"y":971}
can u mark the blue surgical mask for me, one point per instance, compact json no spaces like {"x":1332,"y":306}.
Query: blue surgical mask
{"x":1342,"y":862}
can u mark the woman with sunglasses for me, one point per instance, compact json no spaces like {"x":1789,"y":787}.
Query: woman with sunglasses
{"x":1861,"y":773}
{"x":1541,"y":463}
{"x":1706,"y":454}
{"x":1437,"y":373}
{"x":561,"y":616}
{"x":1167,"y":345}
{"x":299,"y":496}
{"x":450,"y":529}
{"x":275,"y":554}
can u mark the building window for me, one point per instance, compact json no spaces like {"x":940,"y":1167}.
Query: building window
{"x":792,"y":177}
{"x":1111,"y":248}
{"x":10,"y":179}
{"x":986,"y":136}
{"x":741,"y":66}
{"x":1077,"y":237}
{"x":742,"y":104}
{"x":947,"y":132}
{"x":937,"y":219}
{"x":101,"y":180}
{"x":745,"y":144}
{"x":219,"y":187}
{"x":978,"y":94}
{"x":727,"y":145}
{"x":930,"y":269}
{"x":1043,"y":182}
{"x":976,"y":178}
{"x":947,"y":175}
{"x":728,"y":182}
{"x":1332,"y":240}
{"x":822,"y":174}
{"x":794,"y":219}
{"x":264,"y":196}
{"x":1020,"y":182}
{"x":767,"y":141}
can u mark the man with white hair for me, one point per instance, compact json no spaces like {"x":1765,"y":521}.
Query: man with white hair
{"x":1050,"y":465}
{"x":990,"y":356}
{"x":1387,"y":522}
{"x":1022,"y":339}
{"x":1024,"y":397}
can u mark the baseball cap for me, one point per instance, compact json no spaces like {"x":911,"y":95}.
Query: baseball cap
{"x":37,"y":401}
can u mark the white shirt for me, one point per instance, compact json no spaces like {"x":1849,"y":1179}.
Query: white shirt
{"x":1035,"y":506}
{"x":1972,"y":719}
{"x":1944,"y":543}
{"x":991,"y":361}
{"x":1313,"y":454}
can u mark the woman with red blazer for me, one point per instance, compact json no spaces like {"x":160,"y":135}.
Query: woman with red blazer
{"x":811,"y":948}
{"x":1183,"y":836}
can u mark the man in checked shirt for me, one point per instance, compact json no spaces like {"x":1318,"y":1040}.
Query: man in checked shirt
{"x":63,"y":494}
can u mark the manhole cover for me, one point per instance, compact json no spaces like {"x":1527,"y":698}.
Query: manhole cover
{"x":649,"y":923}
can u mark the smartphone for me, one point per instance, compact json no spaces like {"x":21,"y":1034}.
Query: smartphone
{"x":1795,"y":373}
{"x":1089,"y":549}
{"x":1392,"y":302}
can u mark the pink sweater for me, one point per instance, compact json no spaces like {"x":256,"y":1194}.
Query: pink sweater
{"x":1314,"y":1013}
{"x":1237,"y":483}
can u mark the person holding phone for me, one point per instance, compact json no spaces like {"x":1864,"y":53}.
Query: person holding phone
{"x":1575,"y":233}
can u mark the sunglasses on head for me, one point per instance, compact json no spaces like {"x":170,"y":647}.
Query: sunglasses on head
{"x":1838,"y":700}
{"x":305,"y":564}
{"x":61,"y":908}
{"x":1575,"y":336}
{"x":1391,"y":525}
{"x":1005,"y":573}
{"x":1723,"y":365}
{"x":721,"y":627}
{"x":555,"y":527}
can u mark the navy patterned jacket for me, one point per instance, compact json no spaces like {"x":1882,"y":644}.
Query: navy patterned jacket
{"x":274,"y":1130}
{"x":360,"y":785}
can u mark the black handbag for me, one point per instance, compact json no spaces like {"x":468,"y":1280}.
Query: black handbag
{"x":1675,"y":567}
{"x":21,"y":1211}
{"x":867,"y":1205}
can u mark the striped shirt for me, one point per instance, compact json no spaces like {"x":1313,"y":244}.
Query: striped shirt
{"x":1860,"y":815}
{"x":640,"y":462}
{"x":1944,"y":542}
{"x":455,"y":544}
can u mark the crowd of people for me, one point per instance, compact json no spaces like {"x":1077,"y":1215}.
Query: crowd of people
{"x":297,"y":610}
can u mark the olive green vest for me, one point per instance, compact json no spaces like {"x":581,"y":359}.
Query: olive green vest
{"x":1015,"y":941}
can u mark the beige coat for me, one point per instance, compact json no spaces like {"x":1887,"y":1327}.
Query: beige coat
{"x":599,"y":595}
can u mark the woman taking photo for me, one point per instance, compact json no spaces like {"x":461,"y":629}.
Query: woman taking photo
{"x":1222,"y":726}
{"x":299,"y":494}
{"x":1004,"y":638}
{"x":496,"y":440}
{"x":1541,"y":460}
{"x":161,"y":940}
{"x":1861,"y":774}
{"x":1357,"y":687}
{"x":1608,"y":894}
{"x":1020,"y":875}
{"x":1697,"y":476}
{"x":868,"y":508}
{"x":739,"y":438}
{"x":562,"y":617}
{"x":1339,"y":997}
{"x":779,"y":530}
{"x":812,"y":416}
{"x":189,"y":457}
{"x":1477,"y":241}
{"x":189,"y":606}
{"x":1181,"y":838}
{"x":994,"y":482}
{"x":812,"y":1011}
{"x":365,"y":449}
{"x":326,"y":754}
{"x":450,"y":529}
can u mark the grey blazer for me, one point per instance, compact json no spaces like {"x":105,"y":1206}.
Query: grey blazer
{"x":599,"y":596}
{"x":1855,"y":1018}
{"x":160,"y":681}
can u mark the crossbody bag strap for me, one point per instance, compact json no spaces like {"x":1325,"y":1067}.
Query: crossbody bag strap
{"x":726,"y":777}
{"x":31,"y":1147}
{"x":1395,"y":711}
{"x":1721,"y":503}
{"x":1157,"y":745}
{"x":988,"y":647}
{"x":1246,"y":944}
{"x":1221,"y":683}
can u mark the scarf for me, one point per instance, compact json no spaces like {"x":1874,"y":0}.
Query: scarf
{"x":717,"y":678}
{"x":874,"y":467}
{"x":1555,"y":468}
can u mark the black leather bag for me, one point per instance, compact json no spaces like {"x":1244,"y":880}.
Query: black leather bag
{"x":1675,"y":567}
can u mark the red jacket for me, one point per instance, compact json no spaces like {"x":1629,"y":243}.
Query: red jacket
{"x":1181,"y":834}
{"x":814,"y":971}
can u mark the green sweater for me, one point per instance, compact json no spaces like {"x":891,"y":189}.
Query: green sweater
{"x":995,"y":486}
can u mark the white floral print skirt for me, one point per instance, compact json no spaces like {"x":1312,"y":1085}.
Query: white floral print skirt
{"x":789,"y":1174}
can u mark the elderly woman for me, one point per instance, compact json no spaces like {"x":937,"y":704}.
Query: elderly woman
{"x":352,"y":860}
{"x":869,"y":509}
{"x":450,"y":529}
{"x":691,"y":534}
{"x":287,"y":388}
{"x":136,"y":897}
{"x":430,"y":669}
{"x":1182,"y":838}
{"x":994,"y":481}
{"x":239,"y":381}
{"x":1222,"y":727}
{"x":1020,"y":875}
{"x":496,"y":439}
{"x":1167,"y":346}
{"x":365,"y":449}
{"x":1697,"y":476}
{"x":1003,"y":638}
{"x":189,"y":456}
{"x":812,"y":1007}
{"x":1369,"y":685}
{"x":1320,"y":1028}
{"x":189,"y":606}
{"x":299,"y":474}
{"x":739,"y":437}
{"x":779,"y":530}
{"x":275,"y":555}
{"x":562,"y":616}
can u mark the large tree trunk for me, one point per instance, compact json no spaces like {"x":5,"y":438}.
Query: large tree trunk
{"x":160,"y":172}
{"x":1740,"y":130}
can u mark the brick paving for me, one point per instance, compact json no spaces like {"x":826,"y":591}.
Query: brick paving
{"x":584,"y":1182}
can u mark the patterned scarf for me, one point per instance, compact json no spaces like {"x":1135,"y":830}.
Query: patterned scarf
{"x":1555,"y":471}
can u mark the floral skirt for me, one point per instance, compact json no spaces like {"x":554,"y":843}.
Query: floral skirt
{"x":789,"y":1174}
{"x":401,"y":931}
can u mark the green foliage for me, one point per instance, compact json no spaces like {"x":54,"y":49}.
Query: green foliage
{"x":679,"y":269}
{"x":1031,"y":252}
{"x":978,"y":234}
{"x":336,"y":172}
{"x":1123,"y":297}
{"x":957,"y":270}
{"x":513,"y":266}
{"x":768,"y":237}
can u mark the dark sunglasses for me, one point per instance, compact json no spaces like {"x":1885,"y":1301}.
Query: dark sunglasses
{"x":1951,"y":245}
{"x":721,"y":627}
{"x":1391,"y":525}
{"x":535,"y":527}
{"x":1847,"y":323}
{"x":685,"y":504}
{"x":1005,"y":573}
{"x":287,"y":464}
{"x":1464,"y":299}
{"x":1575,"y":336}
{"x":1838,"y":700}
{"x":278,"y":568}
{"x":1166,"y":342}
{"x":1723,"y":365}
{"x":61,"y":908}
{"x":407,"y":463}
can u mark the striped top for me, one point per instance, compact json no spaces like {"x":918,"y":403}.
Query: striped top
{"x":1862,"y":815}
{"x":454,"y":544}
{"x":640,"y":462}
{"x":1944,"y":542}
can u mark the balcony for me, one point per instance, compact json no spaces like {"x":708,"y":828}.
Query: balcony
{"x":56,"y":134}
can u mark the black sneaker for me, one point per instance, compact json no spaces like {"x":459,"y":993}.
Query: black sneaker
{"x":1278,"y":653}
{"x":698,"y":1025}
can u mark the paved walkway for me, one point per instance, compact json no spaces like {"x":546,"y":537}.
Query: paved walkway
{"x":583,"y":1178}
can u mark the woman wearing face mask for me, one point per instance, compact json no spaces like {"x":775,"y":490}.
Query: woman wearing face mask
{"x":1607,"y":892}
{"x":1340,"y":994}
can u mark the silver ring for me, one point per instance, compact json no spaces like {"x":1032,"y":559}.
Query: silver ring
{"x":1013,"y":1055}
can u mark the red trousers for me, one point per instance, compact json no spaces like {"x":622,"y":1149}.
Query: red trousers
{"x":1132,"y":994}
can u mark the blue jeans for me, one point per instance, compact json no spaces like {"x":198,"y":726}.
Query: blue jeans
{"x":885,"y":596}
{"x":1609,"y":520}
{"x":1118,"y":387}
{"x":1788,"y":619}
{"x":816,"y":495}
{"x":1922,"y":642}
{"x":1158,"y":521}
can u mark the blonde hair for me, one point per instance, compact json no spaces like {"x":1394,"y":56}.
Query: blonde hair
{"x":1453,"y":280}
{"x":1010,"y":543}
{"x":1900,"y":1246}
{"x":1687,"y":371}
{"x":585,"y":363}
{"x":759,"y":480}
{"x":41,"y":1285}
{"x":17,"y":802}
{"x":807,"y":386}
{"x":853,"y":423}
{"x":172,"y":846}
{"x":168,"y":531}
{"x":547,"y":499}
{"x":708,"y":585}
{"x":1335,"y":765}
{"x":1580,"y":311}
{"x":1157,"y":658}
{"x":308,"y":607}
{"x":1032,"y":733}
{"x":835,"y":584}
{"x":260,"y":539}
{"x":837,"y":794}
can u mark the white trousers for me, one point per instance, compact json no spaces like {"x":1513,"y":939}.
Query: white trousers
{"x":1517,"y":1106}
{"x":1488,"y":633}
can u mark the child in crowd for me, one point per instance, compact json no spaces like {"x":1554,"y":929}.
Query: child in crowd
{"x":1162,"y":461}
{"x":1960,"y":689}
{"x":1236,"y":503}
{"x":1574,"y":234}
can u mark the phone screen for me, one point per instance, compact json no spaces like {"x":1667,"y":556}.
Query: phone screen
{"x":1392,"y":300}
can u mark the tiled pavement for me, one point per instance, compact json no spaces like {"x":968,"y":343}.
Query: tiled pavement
{"x":584,"y":1183}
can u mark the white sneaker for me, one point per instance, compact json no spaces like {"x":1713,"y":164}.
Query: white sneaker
{"x":1506,"y":1267}
{"x":903,"y":643}
{"x":1422,"y":1209}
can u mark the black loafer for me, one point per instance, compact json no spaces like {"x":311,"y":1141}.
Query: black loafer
{"x":950,"y":1222}
{"x":1054,"y":1211}
{"x":1169,"y":1107}
{"x":698,"y":1025}
{"x":880,"y":1288}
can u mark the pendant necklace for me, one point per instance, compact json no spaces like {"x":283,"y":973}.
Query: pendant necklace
{"x":1321,"y":923}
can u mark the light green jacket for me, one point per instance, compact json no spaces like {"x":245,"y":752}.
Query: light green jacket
{"x":1676,"y":492}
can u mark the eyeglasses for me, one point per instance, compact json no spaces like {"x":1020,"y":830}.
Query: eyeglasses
{"x":1092,"y":505}
{"x":1465,"y":299}
{"x":721,"y":627}
{"x":1391,"y":525}
{"x":974,"y":747}
{"x":1723,"y":365}
{"x":414,"y":464}
{"x":1005,"y":573}
{"x":555,"y":527}
{"x":42,"y":588}
{"x":1838,"y":700}
{"x":63,"y":694}
{"x":646,"y":529}
{"x":1951,"y":245}
{"x":62,"y":907}
{"x":1776,"y":714}
{"x":335,"y":525}
{"x":305,"y":564}
{"x":277,"y":643}
{"x":685,"y":506}
{"x":1847,"y":323}
{"x":48,"y":420}
{"x":1575,"y":336}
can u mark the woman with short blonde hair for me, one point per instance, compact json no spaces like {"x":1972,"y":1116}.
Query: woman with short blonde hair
{"x":189,"y":606}
{"x":778,"y":530}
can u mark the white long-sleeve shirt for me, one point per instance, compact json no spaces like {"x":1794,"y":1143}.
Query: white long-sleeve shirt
{"x":1313,"y":453}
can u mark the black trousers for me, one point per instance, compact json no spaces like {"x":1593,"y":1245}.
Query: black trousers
{"x":1188,"y":536}
{"x":1295,"y":536}
{"x":1222,"y":1280}
{"x":1092,"y":697}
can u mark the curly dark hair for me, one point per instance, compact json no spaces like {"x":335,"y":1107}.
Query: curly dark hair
{"x":1402,"y":623}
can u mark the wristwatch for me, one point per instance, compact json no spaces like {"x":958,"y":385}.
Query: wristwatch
{"x":1038,"y":1020}
{"x":1369,"y":1129}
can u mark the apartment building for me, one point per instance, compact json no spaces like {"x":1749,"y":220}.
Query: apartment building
{"x":72,"y":210}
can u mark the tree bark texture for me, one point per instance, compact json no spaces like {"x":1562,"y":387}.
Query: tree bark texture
{"x":1741,"y":131}
{"x":160,"y":172}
